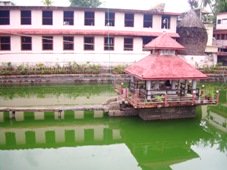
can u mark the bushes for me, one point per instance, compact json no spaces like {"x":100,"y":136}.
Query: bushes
{"x":119,"y":69}
{"x":70,"y":68}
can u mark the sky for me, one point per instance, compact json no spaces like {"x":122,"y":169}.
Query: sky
{"x":170,"y":5}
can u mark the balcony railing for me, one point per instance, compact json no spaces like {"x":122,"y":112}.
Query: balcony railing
{"x":166,"y":98}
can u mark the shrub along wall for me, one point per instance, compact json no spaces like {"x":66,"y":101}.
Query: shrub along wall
{"x":70,"y":68}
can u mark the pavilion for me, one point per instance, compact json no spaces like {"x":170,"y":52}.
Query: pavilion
{"x":163,"y":79}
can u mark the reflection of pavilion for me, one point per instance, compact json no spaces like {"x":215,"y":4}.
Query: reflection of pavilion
{"x":156,"y":146}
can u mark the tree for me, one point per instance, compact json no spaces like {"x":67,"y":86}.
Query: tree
{"x":220,"y":6}
{"x":193,"y":3}
{"x":85,"y":3}
{"x":216,"y":6}
{"x":47,"y":2}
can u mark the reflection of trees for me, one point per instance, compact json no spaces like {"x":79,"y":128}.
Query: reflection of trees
{"x":71,"y":91}
{"x":216,"y":138}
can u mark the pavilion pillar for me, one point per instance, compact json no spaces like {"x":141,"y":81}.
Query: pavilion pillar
{"x":132,"y":82}
{"x":148,"y":88}
{"x":186,"y":87}
{"x":194,"y":84}
{"x":156,"y":86}
{"x":174,"y":85}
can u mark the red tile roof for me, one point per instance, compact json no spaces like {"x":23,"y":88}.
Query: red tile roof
{"x":164,"y":41}
{"x":155,"y":67}
{"x":80,"y":32}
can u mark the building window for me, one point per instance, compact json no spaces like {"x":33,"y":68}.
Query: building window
{"x":109,"y":43}
{"x":109,"y":19}
{"x":5,"y":43}
{"x":4,"y":17}
{"x":146,"y":40}
{"x":129,"y":20}
{"x":68,"y":18}
{"x":89,"y":18}
{"x":68,"y":42}
{"x":26,"y":43}
{"x":147,"y":20}
{"x":47,"y":17}
{"x":218,"y":36}
{"x":25,"y":17}
{"x":165,"y":22}
{"x":88,"y":43}
{"x":47,"y":43}
{"x":219,"y":21}
{"x":128,"y":44}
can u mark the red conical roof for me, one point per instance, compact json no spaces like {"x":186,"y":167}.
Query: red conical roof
{"x":164,"y":41}
{"x":158,"y":67}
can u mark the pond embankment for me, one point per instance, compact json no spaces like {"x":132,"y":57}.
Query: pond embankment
{"x":63,"y":79}
{"x":106,"y":78}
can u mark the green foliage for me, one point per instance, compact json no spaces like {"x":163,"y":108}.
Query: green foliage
{"x":159,"y":98}
{"x":220,"y":6}
{"x":85,"y":3}
{"x":47,"y":2}
{"x":40,"y":68}
{"x":219,"y":109}
{"x":119,"y":69}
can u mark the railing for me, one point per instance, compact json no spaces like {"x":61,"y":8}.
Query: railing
{"x":149,"y":94}
{"x":166,"y":98}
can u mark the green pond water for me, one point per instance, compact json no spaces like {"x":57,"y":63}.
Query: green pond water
{"x":107,"y":143}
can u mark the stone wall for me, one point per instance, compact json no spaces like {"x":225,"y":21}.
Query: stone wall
{"x":82,"y":79}
{"x":63,"y":79}
{"x":167,"y":113}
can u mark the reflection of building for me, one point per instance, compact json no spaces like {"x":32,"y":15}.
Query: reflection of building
{"x":220,"y":34}
{"x":63,"y":34}
{"x":154,"y":146}
{"x":214,"y":115}
{"x":57,"y":135}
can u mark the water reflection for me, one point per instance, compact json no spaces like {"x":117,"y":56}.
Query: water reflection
{"x":79,"y":140}
{"x":84,"y":158}
{"x":139,"y":145}
{"x":215,"y":117}
{"x":54,"y":95}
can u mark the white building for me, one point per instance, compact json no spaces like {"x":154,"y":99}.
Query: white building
{"x":220,"y":35}
{"x":50,"y":35}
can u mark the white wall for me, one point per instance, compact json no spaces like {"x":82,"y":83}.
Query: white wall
{"x":79,"y":21}
{"x":58,"y":55}
{"x":200,"y":61}
{"x":15,"y":55}
{"x":223,"y":18}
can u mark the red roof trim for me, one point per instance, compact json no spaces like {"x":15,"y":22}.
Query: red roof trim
{"x":224,"y":31}
{"x":222,"y":13}
{"x":80,"y":32}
